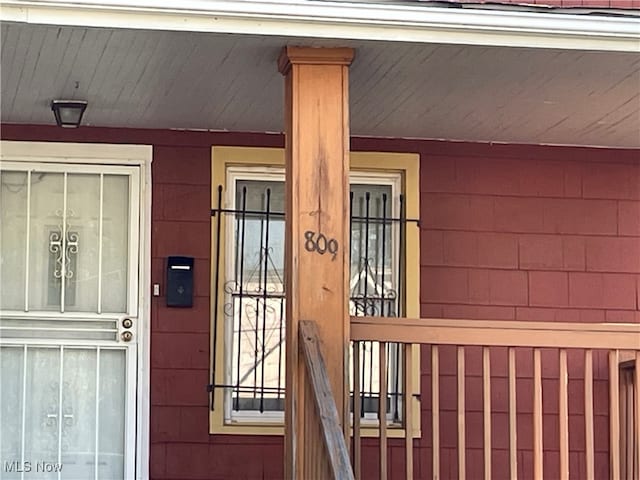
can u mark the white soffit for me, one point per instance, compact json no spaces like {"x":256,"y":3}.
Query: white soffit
{"x":160,"y":79}
{"x":401,"y":22}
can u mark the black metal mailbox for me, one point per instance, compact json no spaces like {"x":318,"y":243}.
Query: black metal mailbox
{"x":179,"y":281}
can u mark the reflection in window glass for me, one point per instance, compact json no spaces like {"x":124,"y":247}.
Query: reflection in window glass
{"x":13,"y":225}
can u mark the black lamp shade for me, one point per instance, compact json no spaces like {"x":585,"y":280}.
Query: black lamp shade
{"x":68,"y":113}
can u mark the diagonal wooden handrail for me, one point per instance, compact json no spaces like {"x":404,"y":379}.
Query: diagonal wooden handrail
{"x":324,"y":401}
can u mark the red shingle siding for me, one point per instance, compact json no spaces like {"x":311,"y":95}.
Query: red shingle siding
{"x":562,"y":228}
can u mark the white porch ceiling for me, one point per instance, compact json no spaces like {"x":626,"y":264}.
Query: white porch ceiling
{"x":157,"y":79}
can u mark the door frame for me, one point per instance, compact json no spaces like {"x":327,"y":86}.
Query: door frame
{"x":111,"y":154}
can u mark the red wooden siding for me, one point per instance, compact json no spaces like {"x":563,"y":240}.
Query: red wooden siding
{"x":507,"y":232}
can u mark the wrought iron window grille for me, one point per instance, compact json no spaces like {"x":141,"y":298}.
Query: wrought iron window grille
{"x":253,"y":299}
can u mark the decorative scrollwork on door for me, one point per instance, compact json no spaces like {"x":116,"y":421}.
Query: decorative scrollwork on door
{"x":63,"y":248}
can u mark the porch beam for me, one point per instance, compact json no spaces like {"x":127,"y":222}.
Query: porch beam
{"x":317,"y":228}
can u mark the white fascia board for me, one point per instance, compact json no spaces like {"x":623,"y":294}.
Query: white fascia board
{"x":341,"y":20}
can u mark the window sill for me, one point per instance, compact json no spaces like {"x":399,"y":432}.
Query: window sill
{"x":276,"y":428}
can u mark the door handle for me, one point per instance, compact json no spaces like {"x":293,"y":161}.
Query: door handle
{"x":65,"y":417}
{"x":126,"y":336}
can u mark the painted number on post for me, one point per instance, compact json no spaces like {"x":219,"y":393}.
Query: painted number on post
{"x":320,"y":243}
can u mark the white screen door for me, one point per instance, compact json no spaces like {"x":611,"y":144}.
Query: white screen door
{"x":69,"y":246}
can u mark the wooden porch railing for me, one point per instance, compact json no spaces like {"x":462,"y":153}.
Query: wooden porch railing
{"x":326,"y":455}
{"x":575,"y":348}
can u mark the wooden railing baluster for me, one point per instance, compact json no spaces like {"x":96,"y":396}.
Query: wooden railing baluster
{"x":630,"y":425}
{"x":408,"y":410}
{"x":486,"y":407}
{"x":357,"y":412}
{"x":614,"y":415}
{"x":588,"y":415}
{"x":625,"y":423}
{"x":563,"y":410}
{"x":636,"y":384}
{"x":538,"y":472}
{"x":513,"y":412}
{"x":435,"y":410}
{"x":461,"y":416}
{"x":382,"y":410}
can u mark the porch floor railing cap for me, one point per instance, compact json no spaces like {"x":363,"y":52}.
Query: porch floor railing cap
{"x":292,"y":55}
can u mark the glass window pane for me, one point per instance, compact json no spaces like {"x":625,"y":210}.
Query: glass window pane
{"x":42,"y":404}
{"x":256,"y":194}
{"x":257,"y":295}
{"x":372,"y":250}
{"x":11,"y":404}
{"x":251,"y":230}
{"x":83,"y":201}
{"x":374,"y":261}
{"x":79,"y":413}
{"x":13,"y":225}
{"x":111,"y":405}
{"x":115,"y":243}
{"x":45,"y":247}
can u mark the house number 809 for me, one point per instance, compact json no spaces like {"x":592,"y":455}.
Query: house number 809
{"x":320,"y":243}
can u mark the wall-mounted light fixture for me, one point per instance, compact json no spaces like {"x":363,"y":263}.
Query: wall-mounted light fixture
{"x":68,"y":113}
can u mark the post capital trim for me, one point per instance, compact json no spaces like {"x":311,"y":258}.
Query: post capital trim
{"x":291,"y":55}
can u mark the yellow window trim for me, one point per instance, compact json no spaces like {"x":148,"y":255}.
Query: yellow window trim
{"x":408,"y":165}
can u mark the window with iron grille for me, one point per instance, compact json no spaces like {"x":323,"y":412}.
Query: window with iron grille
{"x":250,"y":290}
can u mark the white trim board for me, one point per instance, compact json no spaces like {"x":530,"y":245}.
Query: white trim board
{"x":109,"y":154}
{"x":341,"y":20}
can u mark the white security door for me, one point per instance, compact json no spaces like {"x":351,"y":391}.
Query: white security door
{"x":69,"y":322}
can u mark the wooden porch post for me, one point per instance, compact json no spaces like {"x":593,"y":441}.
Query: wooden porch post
{"x":317,"y":227}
